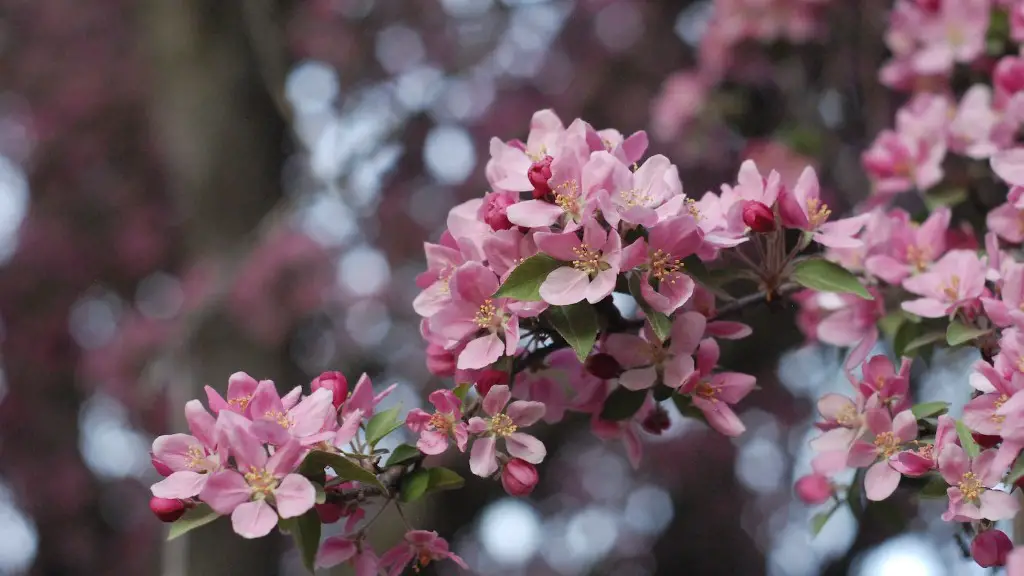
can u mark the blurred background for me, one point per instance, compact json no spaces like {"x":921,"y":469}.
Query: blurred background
{"x":194,"y":187}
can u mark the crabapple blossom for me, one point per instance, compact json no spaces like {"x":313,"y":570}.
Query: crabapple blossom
{"x":953,"y":281}
{"x":971,"y":486}
{"x":504,"y":423}
{"x":421,"y":547}
{"x":435,"y":429}
{"x":889,"y":435}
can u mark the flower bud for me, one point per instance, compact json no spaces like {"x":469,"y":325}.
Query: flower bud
{"x":493,"y":210}
{"x":657,"y":421}
{"x":539,"y":174}
{"x":813,"y":489}
{"x":329,"y":513}
{"x":990,"y":548}
{"x":489,"y":378}
{"x":1008,"y":75}
{"x":167,"y":509}
{"x":604,"y":366}
{"x":519,"y":477}
{"x":161,"y":468}
{"x":758,"y":217}
{"x":333,"y":381}
{"x":440,"y":362}
{"x":986,"y":441}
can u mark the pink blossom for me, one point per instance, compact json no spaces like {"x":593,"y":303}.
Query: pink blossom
{"x":442,"y":260}
{"x":845,"y":319}
{"x":643,"y":359}
{"x":978,"y":130}
{"x":955,"y":33}
{"x":971,"y":482}
{"x":752,"y":187}
{"x":475,"y":317}
{"x":803,"y":209}
{"x":307,"y":422}
{"x":955,"y":279}
{"x":420,"y":548}
{"x":191,"y":458}
{"x":241,"y":387}
{"x":714,"y":393}
{"x":680,"y":99}
{"x":980,"y":413}
{"x":879,"y":377}
{"x":338,"y":549}
{"x":363,"y":399}
{"x":333,"y":381}
{"x":889,"y":436}
{"x":897,"y":162}
{"x":261,"y":486}
{"x":435,"y":429}
{"x":642,"y":197}
{"x":844,"y":422}
{"x":1008,"y":309}
{"x":570,"y":202}
{"x":910,"y":249}
{"x":594,"y":264}
{"x":663,"y":285}
{"x":502,"y":423}
{"x":925,"y":457}
{"x":703,"y":301}
{"x":509,"y":164}
{"x":494,"y":207}
{"x":814,"y":489}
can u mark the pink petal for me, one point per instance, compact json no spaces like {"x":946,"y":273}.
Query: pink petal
{"x":601,"y":286}
{"x":181,"y":484}
{"x":831,"y":405}
{"x":630,"y":351}
{"x":638,"y":378}
{"x":525,"y":413}
{"x":904,"y":426}
{"x":173,"y":450}
{"x":733,"y":386}
{"x":481,"y":352}
{"x":253,"y":519}
{"x":565,"y":286}
{"x":998,"y":505}
{"x":334,"y":551}
{"x":496,"y":399}
{"x":953,"y":463}
{"x":880,"y":481}
{"x":201,"y":423}
{"x":533,"y":213}
{"x":837,"y":439}
{"x":482,"y":457}
{"x":687,"y":331}
{"x":265,"y":401}
{"x":679,"y":370}
{"x":525,"y":446}
{"x":477,"y":425}
{"x":294,"y":496}
{"x":723,"y":419}
{"x":861,"y":455}
{"x":225,"y":491}
{"x":432,"y":442}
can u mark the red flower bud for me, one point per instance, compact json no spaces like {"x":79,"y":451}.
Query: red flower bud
{"x":519,"y":477}
{"x":161,"y":468}
{"x":758,"y":217}
{"x":1008,"y":75}
{"x":494,"y":207}
{"x":489,"y":378}
{"x":333,"y":381}
{"x":440,"y":362}
{"x":329,"y":513}
{"x":657,"y":421}
{"x":539,"y":174}
{"x":990,"y":548}
{"x":986,"y":441}
{"x":167,"y":509}
{"x":813,"y":489}
{"x":604,"y":366}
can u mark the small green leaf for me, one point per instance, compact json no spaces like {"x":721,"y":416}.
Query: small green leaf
{"x":660,"y":323}
{"x":891,"y":323}
{"x":305,"y":530}
{"x":577,"y":323}
{"x":934,"y":487}
{"x":820,"y":519}
{"x":525,"y":280}
{"x":923,"y":341}
{"x":828,"y":277}
{"x":685,"y":406}
{"x":313,"y":467}
{"x":905,"y":334}
{"x":622,"y":403}
{"x":414,"y":486}
{"x":461,"y":391}
{"x":444,"y":479}
{"x":929,"y":409}
{"x":944,"y":196}
{"x":201,"y":515}
{"x":1016,"y":472}
{"x":854,"y":494}
{"x":402,"y":454}
{"x":967,"y":440}
{"x":321,"y":494}
{"x":959,"y":333}
{"x":382,"y":424}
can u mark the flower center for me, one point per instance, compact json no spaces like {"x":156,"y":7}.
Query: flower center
{"x":706,"y":391}
{"x":927,"y":451}
{"x":970,"y":486}
{"x":242,"y":402}
{"x":998,"y":418}
{"x":196,"y":458}
{"x":817,"y":212}
{"x":423,"y":558}
{"x":635,"y":197}
{"x":282,"y":418}
{"x":261,"y":481}
{"x":691,"y":207}
{"x":441,"y":422}
{"x":445,"y":278}
{"x":664,"y":266}
{"x":587,"y":260}
{"x":502,"y":425}
{"x":486,"y":315}
{"x":847,"y":416}
{"x":539,"y":155}
{"x":567,"y":196}
{"x":887,"y":444}
{"x":952,"y":290}
{"x":916,"y":257}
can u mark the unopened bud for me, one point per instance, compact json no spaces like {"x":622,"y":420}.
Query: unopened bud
{"x":161,"y":468}
{"x":167,"y":509}
{"x":758,"y":217}
{"x":657,"y":421}
{"x":519,"y":477}
{"x":539,"y":174}
{"x":333,"y":381}
{"x":986,"y":441}
{"x":604,"y":366}
{"x":494,"y":209}
{"x":990,"y":548}
{"x":489,"y":378}
{"x":813,"y":489}
{"x":329,"y":513}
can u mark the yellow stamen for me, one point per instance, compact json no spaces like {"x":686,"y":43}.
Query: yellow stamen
{"x":817,"y":212}
{"x":486,"y":315}
{"x":970,"y":486}
{"x":664,"y":267}
{"x":261,"y":481}
{"x":952,"y":290}
{"x":502,"y":425}
{"x":567,"y":195}
{"x":887,"y":444}
{"x":587,"y":260}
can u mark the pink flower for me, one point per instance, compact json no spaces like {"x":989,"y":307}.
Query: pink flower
{"x":494,"y":207}
{"x":925,"y":458}
{"x":844,"y":422}
{"x":910,"y":249}
{"x":483,"y":460}
{"x":307,"y":422}
{"x":879,"y":377}
{"x":1008,"y":309}
{"x":846,"y":319}
{"x":363,"y":399}
{"x":978,"y":130}
{"x":191,"y":459}
{"x":643,"y":359}
{"x":261,"y":484}
{"x":814,"y":489}
{"x":642,"y":197}
{"x":1015,"y":559}
{"x":421,"y":547}
{"x":476,"y":317}
{"x":889,"y":435}
{"x":980,"y":413}
{"x":751,"y":187}
{"x":955,"y":279}
{"x":680,"y":99}
{"x":990,"y":548}
{"x":568,"y":204}
{"x":713,"y":393}
{"x":241,"y":387}
{"x":803,"y":209}
{"x":333,"y":381}
{"x":663,"y":285}
{"x":442,"y":260}
{"x":897,"y":162}
{"x":338,"y":549}
{"x":758,"y":217}
{"x":971,"y":496}
{"x":956,"y":33}
{"x":594,"y":265}
{"x":435,"y":429}
{"x":519,"y":477}
{"x":510,"y":164}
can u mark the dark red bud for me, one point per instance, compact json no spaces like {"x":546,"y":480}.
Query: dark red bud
{"x":494,"y":210}
{"x":329,"y":513}
{"x":167,"y":509}
{"x":489,"y":378}
{"x":539,"y":174}
{"x":333,"y":381}
{"x":161,"y":468}
{"x":519,"y":477}
{"x":758,"y":217}
{"x":990,"y":548}
{"x":986,"y":441}
{"x":604,"y":366}
{"x":657,"y":421}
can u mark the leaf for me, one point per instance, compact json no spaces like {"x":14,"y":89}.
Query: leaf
{"x":461,"y":391}
{"x":923,"y":341}
{"x":402,"y":454}
{"x":444,"y":479}
{"x":854,"y":496}
{"x":305,"y":531}
{"x":828,"y":277}
{"x":934,"y":487}
{"x":946,"y":196}
{"x":524,"y":282}
{"x":414,"y":486}
{"x":382,"y":424}
{"x":959,"y":333}
{"x":685,"y":406}
{"x":577,"y":323}
{"x":1016,"y":472}
{"x":321,"y":494}
{"x":891,"y":323}
{"x":313,"y":467}
{"x":967,"y":440}
{"x":622,"y":403}
{"x":929,"y":409}
{"x":820,"y":519}
{"x":201,"y":515}
{"x":905,"y":334}
{"x":660,"y":323}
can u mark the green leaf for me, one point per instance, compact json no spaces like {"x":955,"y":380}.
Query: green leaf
{"x":402,"y":454}
{"x":945,"y":196}
{"x":891,"y":323}
{"x":959,"y":333}
{"x":923,"y":341}
{"x":685,"y":406}
{"x":934,"y":487}
{"x":444,"y":479}
{"x":828,"y":277}
{"x":305,"y":530}
{"x":414,"y":486}
{"x":820,"y":519}
{"x":929,"y":409}
{"x":382,"y":424}
{"x":193,"y":518}
{"x":577,"y":323}
{"x":660,"y":323}
{"x":967,"y":440}
{"x":525,"y":280}
{"x":321,"y":494}
{"x":854,"y":494}
{"x":904,"y":335}
{"x":313,"y":467}
{"x":1016,"y":472}
{"x":622,"y":403}
{"x":461,"y":391}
